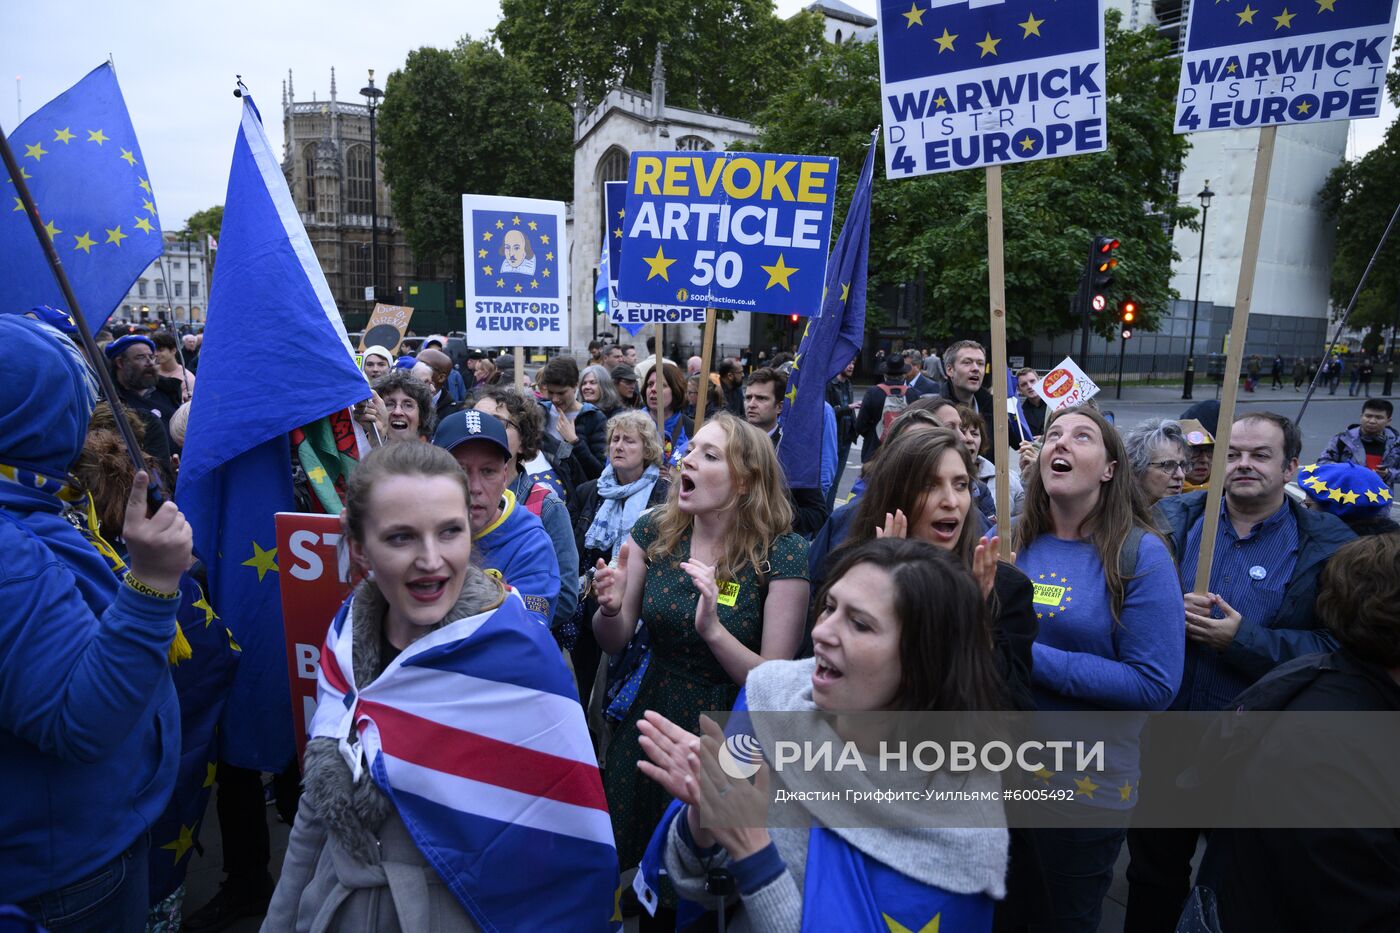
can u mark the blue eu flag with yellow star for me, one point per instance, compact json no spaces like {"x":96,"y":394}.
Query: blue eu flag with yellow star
{"x":79,"y":157}
{"x":236,"y":470}
{"x":831,"y":340}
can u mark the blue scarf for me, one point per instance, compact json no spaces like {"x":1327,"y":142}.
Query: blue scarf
{"x":622,"y":506}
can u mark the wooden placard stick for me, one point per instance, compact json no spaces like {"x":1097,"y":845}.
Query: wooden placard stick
{"x":996,"y":281}
{"x":706,"y":354}
{"x":1239,"y":325}
{"x":520,"y":369}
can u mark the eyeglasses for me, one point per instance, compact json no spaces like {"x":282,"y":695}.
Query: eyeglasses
{"x":1171,"y":466}
{"x":142,"y":359}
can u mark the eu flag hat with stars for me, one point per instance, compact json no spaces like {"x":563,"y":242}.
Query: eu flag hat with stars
{"x":1347,"y":490}
{"x":79,"y":157}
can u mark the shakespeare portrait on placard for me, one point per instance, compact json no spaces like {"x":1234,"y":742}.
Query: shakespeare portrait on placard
{"x":518,"y":254}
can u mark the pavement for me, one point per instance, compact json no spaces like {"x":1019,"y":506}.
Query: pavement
{"x":1326,"y":415}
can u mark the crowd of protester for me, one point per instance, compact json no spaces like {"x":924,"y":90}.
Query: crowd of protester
{"x":679,"y":572}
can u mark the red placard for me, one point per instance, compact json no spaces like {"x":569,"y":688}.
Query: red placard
{"x":315,"y":581}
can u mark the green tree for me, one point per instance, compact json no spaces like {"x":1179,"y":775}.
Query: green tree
{"x":467,"y":121}
{"x":203,"y":223}
{"x":721,"y":55}
{"x":1360,"y":197}
{"x":934,"y":228}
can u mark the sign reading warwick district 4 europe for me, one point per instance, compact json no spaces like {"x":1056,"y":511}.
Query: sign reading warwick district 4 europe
{"x":737,"y":230}
{"x":627,"y":313}
{"x":517,"y":272}
{"x":969,"y":83}
{"x":1270,"y":62}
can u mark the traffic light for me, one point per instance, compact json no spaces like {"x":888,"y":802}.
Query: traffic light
{"x":1127,"y":315}
{"x":792,"y":319}
{"x":1102,"y":261}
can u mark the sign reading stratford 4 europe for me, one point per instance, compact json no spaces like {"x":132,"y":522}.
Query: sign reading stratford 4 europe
{"x":737,"y":230}
{"x":517,"y":272}
{"x":629,"y":314}
{"x":968,"y":83}
{"x":1269,"y":62}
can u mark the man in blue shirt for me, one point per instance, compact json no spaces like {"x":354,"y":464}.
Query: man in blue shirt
{"x":1257,"y":614}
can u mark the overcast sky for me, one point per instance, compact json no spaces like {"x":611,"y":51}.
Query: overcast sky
{"x":177,"y":61}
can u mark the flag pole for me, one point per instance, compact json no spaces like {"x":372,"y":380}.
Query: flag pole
{"x":99,"y":363}
{"x":706,"y":353}
{"x":1239,"y":325}
{"x":996,"y":281}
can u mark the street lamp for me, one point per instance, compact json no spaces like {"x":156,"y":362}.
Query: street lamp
{"x":372,"y":95}
{"x":1205,"y":195}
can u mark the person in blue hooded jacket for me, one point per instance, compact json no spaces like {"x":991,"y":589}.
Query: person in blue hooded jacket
{"x":512,"y":540}
{"x":89,"y":722}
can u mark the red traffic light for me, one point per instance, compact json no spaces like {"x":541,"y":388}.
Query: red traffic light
{"x":1107,"y":244}
{"x":792,"y":318}
{"x":1129,"y":311}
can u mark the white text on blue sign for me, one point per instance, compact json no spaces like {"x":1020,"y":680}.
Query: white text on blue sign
{"x":744,"y":231}
{"x":1263,"y":63}
{"x":971,"y":84}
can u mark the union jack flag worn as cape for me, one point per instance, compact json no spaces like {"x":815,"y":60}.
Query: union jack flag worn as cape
{"x":476,"y":734}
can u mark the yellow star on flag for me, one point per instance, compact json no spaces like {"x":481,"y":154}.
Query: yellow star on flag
{"x":317,"y":475}
{"x":1284,"y":20}
{"x":85,"y":243}
{"x":144,"y":185}
{"x":545,"y":273}
{"x":1350,"y":498}
{"x":481,"y":254}
{"x":1232,"y":68}
{"x":23,"y":173}
{"x":519,"y":288}
{"x":617,"y":232}
{"x":1086,"y":786}
{"x":128,"y":156}
{"x":1329,"y":6}
{"x":622,"y":212}
{"x":181,"y":845}
{"x":658,"y":265}
{"x":1125,"y":792}
{"x":778,"y":274}
{"x":792,"y":394}
{"x":894,"y":926}
{"x":262,"y":561}
{"x":1246,"y":15}
{"x":534,"y":283}
{"x":544,"y":238}
{"x":1371,"y":496}
{"x":500,"y":283}
{"x":35,"y":152}
{"x":486,"y":235}
{"x":845,"y":291}
{"x":915,"y":16}
{"x":1384,"y":494}
{"x":1043,"y":774}
{"x":144,"y":225}
{"x":210,"y":769}
{"x":116,"y":236}
{"x":1304,"y":107}
{"x":945,"y":41}
{"x":940,"y":102}
{"x":1027,"y":143}
{"x":532,"y":225}
{"x":1031,"y":26}
{"x":500,"y":224}
{"x":988,"y":46}
{"x":487,"y":270}
{"x":549,"y":257}
{"x":149,"y":205}
{"x":53,"y":230}
{"x":19,"y":205}
{"x":1310,"y":468}
{"x":209,"y":614}
{"x":617,"y":906}
{"x":515,"y":221}
{"x":1335,"y":495}
{"x":97,"y":136}
{"x":64,"y":136}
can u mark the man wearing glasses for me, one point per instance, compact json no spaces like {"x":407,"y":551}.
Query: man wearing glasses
{"x":143,"y":390}
{"x":1158,"y":454}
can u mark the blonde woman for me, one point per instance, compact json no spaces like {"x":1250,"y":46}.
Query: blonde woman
{"x":722,"y":583}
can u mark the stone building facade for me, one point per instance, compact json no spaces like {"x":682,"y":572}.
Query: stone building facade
{"x":326,"y":160}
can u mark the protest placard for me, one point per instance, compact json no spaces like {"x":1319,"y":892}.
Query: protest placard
{"x":970,"y":83}
{"x":386,"y":328}
{"x":1066,"y":385}
{"x":630,"y":315}
{"x":1264,"y":64}
{"x":736,"y":230}
{"x":315,"y":580}
{"x":517,"y":281}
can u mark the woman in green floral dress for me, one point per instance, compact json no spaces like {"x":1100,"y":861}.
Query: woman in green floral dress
{"x":721,"y":582}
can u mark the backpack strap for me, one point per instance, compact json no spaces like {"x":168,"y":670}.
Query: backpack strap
{"x":1128,"y":554}
{"x":534,"y":500}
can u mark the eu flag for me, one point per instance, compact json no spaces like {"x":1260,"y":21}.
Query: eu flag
{"x":831,"y":340}
{"x":84,"y":168}
{"x":1238,"y":22}
{"x":236,"y":470}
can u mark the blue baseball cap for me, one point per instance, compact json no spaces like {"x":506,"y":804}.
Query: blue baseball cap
{"x":472,"y":425}
{"x":117,"y":347}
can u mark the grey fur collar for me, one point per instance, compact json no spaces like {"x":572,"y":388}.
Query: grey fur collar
{"x":355,"y":812}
